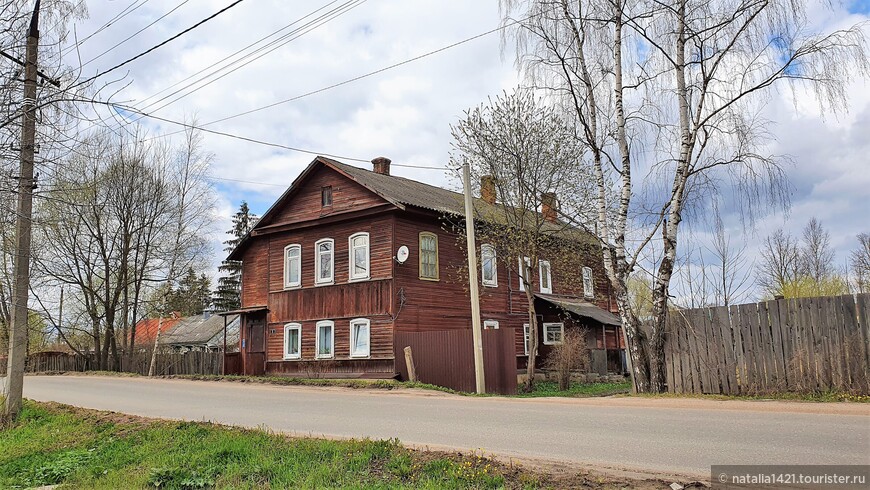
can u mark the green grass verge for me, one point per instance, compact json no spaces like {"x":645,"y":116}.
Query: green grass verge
{"x":55,"y":444}
{"x":818,"y":397}
{"x":576,"y":390}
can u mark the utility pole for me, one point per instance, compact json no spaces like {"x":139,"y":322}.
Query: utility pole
{"x":472,"y":283}
{"x":21,"y":274}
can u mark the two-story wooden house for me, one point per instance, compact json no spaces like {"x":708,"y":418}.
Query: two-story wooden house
{"x":322,"y":289}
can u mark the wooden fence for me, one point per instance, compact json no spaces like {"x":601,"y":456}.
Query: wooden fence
{"x":446,"y":358}
{"x":167,"y":363}
{"x":800,"y":345}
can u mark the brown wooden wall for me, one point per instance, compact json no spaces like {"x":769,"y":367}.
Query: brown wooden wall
{"x":381,"y":339}
{"x":255,"y":273}
{"x":379,"y":229}
{"x":305,"y":204}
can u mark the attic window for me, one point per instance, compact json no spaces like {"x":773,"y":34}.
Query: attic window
{"x":326,"y":196}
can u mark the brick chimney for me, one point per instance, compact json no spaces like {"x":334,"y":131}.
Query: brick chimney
{"x":549,"y":207}
{"x":381,"y":165}
{"x":487,"y":188}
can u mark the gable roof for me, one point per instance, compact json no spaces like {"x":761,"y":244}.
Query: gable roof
{"x":146,"y":329}
{"x":399,"y":191}
{"x":197,"y":330}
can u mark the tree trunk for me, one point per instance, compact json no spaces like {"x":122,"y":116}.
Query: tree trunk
{"x":531,"y":364}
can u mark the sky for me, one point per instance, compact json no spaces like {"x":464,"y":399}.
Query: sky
{"x":405,"y":113}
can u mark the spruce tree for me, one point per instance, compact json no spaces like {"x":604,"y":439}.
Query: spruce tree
{"x":227,"y":296}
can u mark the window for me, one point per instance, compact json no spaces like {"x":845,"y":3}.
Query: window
{"x":325,"y":339}
{"x":544,"y":275}
{"x":524,"y":271}
{"x":526,"y":338}
{"x":292,"y":266}
{"x":428,"y":256}
{"x":488,"y":265}
{"x":292,"y":341}
{"x":587,"y":283}
{"x":326,"y":196}
{"x":324,"y":260}
{"x":360,"y":333}
{"x":490,"y":325}
{"x":553,"y":333}
{"x":358,"y":245}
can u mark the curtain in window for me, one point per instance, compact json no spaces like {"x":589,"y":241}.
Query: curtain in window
{"x":324,"y":346}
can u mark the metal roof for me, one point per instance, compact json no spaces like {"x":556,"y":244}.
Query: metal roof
{"x":403,"y":192}
{"x":196,"y":330}
{"x":582,"y":309}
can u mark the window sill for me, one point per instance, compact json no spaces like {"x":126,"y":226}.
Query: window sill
{"x":367,"y":356}
{"x":494,"y":286}
{"x":324,"y":357}
{"x":318,"y":284}
{"x":359,"y":279}
{"x":291,"y":358}
{"x":288,"y":288}
{"x":546,"y":291}
{"x":431,"y":279}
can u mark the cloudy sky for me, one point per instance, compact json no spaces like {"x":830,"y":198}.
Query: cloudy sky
{"x":403,"y":113}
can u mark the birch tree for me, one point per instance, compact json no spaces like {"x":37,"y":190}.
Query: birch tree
{"x":675,"y":90}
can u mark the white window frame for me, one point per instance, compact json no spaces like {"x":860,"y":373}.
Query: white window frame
{"x":490,"y":324}
{"x":588,"y":284}
{"x":522,"y":271}
{"x":317,"y":354}
{"x":526,"y":330}
{"x":287,"y":283}
{"x":368,"y":351}
{"x":318,"y":281}
{"x":549,"y":288}
{"x":351,"y":276}
{"x":561,"y":333}
{"x":298,"y":328}
{"x":488,"y":249}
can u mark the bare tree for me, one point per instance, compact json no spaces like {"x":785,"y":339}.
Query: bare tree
{"x":527,"y":155}
{"x":732,"y":277}
{"x":780,"y":263}
{"x":860,"y":262}
{"x":817,"y":256}
{"x":685,"y":80}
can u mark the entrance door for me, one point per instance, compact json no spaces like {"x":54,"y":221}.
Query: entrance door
{"x":255,"y":345}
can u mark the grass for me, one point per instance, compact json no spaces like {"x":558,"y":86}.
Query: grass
{"x":53,"y":444}
{"x":818,"y":397}
{"x":576,"y":390}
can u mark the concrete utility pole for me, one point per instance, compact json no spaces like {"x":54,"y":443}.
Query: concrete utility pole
{"x":472,"y":283}
{"x":21,"y":274}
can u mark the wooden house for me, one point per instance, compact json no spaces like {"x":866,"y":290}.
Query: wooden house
{"x":323,"y":291}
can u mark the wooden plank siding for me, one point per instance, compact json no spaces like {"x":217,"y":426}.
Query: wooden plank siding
{"x":305,"y":204}
{"x":394,"y":298}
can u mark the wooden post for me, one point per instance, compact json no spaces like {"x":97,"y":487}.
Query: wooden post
{"x":409,"y":362}
{"x":480,"y":384}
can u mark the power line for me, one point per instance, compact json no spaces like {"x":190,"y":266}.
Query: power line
{"x":160,"y":45}
{"x":237,"y":52}
{"x":359,"y":77}
{"x":272,"y":46}
{"x":131,"y":36}
{"x":129,"y":9}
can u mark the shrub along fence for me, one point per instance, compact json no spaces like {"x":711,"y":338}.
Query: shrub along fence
{"x":799,"y":345}
{"x":167,"y":363}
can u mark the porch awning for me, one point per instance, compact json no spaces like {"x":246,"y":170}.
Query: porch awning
{"x":581,"y":308}
{"x":250,"y":309}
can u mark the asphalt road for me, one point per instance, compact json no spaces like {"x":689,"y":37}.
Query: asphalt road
{"x":649,"y":435}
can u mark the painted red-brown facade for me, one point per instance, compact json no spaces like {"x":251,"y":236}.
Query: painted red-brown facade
{"x":393,"y":298}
